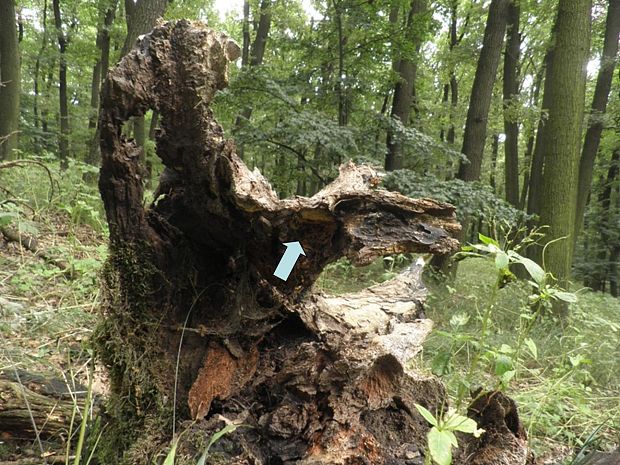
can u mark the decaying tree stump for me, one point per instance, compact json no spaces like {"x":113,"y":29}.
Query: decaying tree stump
{"x":197,"y":327}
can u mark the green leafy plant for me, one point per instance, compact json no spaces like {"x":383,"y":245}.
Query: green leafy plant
{"x":215,"y":437}
{"x":441,"y":438}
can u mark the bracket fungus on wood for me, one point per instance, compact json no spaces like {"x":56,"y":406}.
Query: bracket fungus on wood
{"x":195,"y":321}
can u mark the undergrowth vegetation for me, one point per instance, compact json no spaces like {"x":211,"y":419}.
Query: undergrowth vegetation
{"x":488,"y":331}
{"x":562,"y":373}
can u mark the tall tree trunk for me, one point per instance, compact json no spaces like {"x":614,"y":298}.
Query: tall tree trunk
{"x":36,"y":78}
{"x":49,"y":81}
{"x":256,"y":56}
{"x":103,"y":42}
{"x":103,"y":34}
{"x":482,"y":91}
{"x":599,"y":106}
{"x":9,"y":80}
{"x":510,"y":91}
{"x":561,"y":139}
{"x":454,"y":84}
{"x":341,"y":79}
{"x":494,"y":153}
{"x":153,"y":125}
{"x":605,"y":255}
{"x":140,"y":16}
{"x":94,"y":94}
{"x":529,"y":148}
{"x":537,"y":163}
{"x":63,"y":97}
{"x":245,"y":50}
{"x":406,"y":67}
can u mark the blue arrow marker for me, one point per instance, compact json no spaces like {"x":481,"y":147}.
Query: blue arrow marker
{"x":288,"y":260}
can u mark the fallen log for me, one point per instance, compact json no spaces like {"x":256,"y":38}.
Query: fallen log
{"x":33,"y":404}
{"x":31,"y":244}
{"x":197,"y":329}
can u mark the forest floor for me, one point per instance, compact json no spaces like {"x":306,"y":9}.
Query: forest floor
{"x":566,"y":383}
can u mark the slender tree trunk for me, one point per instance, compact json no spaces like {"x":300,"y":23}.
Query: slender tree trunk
{"x":529,"y":148}
{"x":340,"y":81}
{"x":561,"y":139}
{"x":607,"y":249}
{"x":406,"y":67}
{"x":511,"y":90}
{"x":482,"y":91}
{"x":599,"y":106}
{"x":108,"y":22}
{"x":245,"y":51}
{"x":49,"y":81}
{"x":102,"y":34}
{"x":36,"y":77}
{"x":94,"y":94}
{"x":494,"y":152}
{"x":153,"y":125}
{"x":444,"y":103}
{"x":256,"y":56}
{"x":9,"y":80}
{"x":103,"y":42}
{"x":614,"y":259}
{"x":536,"y":170}
{"x":63,"y":97}
{"x":454,"y":84}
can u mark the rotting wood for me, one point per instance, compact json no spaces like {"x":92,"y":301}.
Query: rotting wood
{"x":47,"y":401}
{"x":319,"y":379}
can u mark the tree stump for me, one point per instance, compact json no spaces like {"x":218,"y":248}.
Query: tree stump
{"x":197,"y":330}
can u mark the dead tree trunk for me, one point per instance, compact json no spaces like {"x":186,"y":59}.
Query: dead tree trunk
{"x":197,"y":327}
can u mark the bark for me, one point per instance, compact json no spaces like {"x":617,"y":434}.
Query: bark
{"x":536,"y":170}
{"x":454,"y":84}
{"x":49,"y":81}
{"x":599,"y":107}
{"x":103,"y":43}
{"x":529,"y":148}
{"x":257,"y":54}
{"x":482,"y":91}
{"x":245,"y":50}
{"x":607,"y":250}
{"x":63,"y":99}
{"x":494,"y":153}
{"x":511,"y":91}
{"x":614,"y":260}
{"x":561,"y":139}
{"x":49,"y":400}
{"x":31,"y":244}
{"x":9,"y":80}
{"x":94,"y":94}
{"x":153,"y":125}
{"x":444,"y":102}
{"x":140,"y":16}
{"x":37,"y":73}
{"x":340,"y":81}
{"x":601,"y":458}
{"x":195,"y":318}
{"x":406,"y":67}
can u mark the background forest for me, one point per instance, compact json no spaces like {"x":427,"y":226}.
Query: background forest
{"x":510,"y":110}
